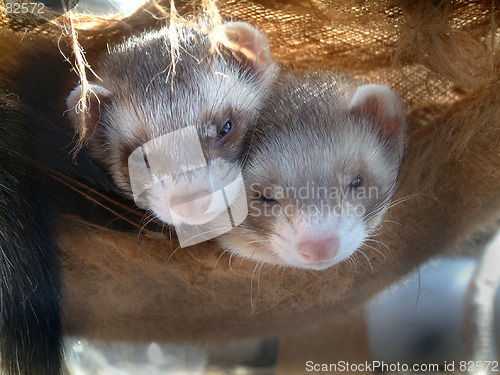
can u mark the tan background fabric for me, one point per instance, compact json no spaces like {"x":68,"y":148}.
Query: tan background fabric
{"x":441,"y":56}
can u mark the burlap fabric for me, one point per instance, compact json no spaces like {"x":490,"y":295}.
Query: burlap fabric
{"x":441,"y":56}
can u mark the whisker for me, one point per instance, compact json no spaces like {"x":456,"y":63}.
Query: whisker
{"x":171,"y":254}
{"x":375,"y":249}
{"x":329,"y":278}
{"x":140,"y":230}
{"x":395,"y":222}
{"x":252,"y":309}
{"x":379,"y":242}
{"x":408,"y":197}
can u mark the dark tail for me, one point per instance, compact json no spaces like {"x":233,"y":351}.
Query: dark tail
{"x":30,"y":281}
{"x":33,"y":79}
{"x":30,"y":285}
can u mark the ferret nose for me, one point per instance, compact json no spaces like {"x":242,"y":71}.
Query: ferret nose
{"x":189,"y":205}
{"x":319,"y":250}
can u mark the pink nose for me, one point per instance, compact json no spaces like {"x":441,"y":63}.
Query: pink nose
{"x":319,"y":250}
{"x":190,"y":205}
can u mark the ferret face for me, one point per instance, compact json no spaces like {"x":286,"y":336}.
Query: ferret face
{"x":323,"y":168}
{"x":146,"y":100}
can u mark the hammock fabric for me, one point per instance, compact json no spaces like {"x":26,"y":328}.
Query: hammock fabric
{"x":443,"y":57}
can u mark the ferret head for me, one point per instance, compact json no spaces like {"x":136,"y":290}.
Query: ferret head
{"x":155,"y":86}
{"x":322,"y":169}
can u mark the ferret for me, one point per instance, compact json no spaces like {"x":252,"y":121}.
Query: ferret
{"x":321,"y":172}
{"x":171,"y":131}
{"x":215,"y":92}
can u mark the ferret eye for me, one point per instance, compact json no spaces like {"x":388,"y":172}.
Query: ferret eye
{"x":225,"y":130}
{"x":266,"y":200}
{"x":356,"y":182}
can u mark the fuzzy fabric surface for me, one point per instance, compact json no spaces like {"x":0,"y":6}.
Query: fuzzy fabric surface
{"x":443,"y":57}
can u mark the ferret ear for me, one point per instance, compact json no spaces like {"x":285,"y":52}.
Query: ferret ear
{"x":97,"y":96}
{"x":247,"y":44}
{"x":380,"y":104}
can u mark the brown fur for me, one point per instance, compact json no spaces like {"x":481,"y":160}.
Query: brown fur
{"x":124,"y":285}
